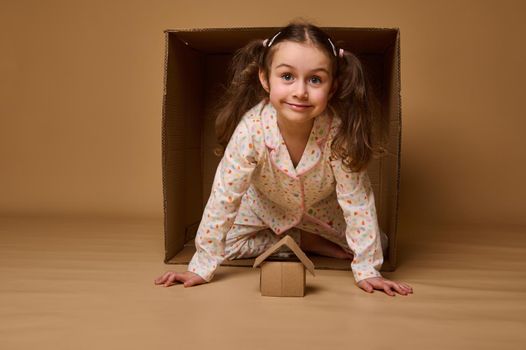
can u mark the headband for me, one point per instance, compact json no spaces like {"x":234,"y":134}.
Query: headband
{"x":339,"y":54}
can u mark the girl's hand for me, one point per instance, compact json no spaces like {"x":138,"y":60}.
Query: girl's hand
{"x":385,"y":285}
{"x":188,"y":279}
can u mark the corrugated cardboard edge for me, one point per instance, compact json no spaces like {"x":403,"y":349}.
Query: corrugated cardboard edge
{"x":202,"y":29}
{"x":163,"y":145}
{"x":289,"y":242}
{"x":392,"y":235}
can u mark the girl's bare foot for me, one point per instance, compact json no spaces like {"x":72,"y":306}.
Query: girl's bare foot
{"x":313,"y":243}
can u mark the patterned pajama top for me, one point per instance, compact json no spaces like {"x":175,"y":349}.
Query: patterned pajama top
{"x":257,"y":184}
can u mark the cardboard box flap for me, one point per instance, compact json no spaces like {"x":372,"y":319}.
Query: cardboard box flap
{"x":289,"y":242}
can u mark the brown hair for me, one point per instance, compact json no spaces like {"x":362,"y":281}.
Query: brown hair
{"x":362,"y":132}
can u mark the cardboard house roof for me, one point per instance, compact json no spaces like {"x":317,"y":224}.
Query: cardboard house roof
{"x":289,"y":242}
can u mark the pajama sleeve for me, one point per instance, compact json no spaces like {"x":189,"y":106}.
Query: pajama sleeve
{"x":231,"y":181}
{"x":356,"y":198}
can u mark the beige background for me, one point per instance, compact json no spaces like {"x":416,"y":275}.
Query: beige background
{"x":80,"y":136}
{"x":81,"y":95}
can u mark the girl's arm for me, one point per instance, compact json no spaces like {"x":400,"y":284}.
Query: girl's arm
{"x":356,"y":198}
{"x":231,"y":181}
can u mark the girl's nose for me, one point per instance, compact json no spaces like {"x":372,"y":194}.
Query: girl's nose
{"x":301,"y":91}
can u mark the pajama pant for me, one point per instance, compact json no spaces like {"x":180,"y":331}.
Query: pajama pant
{"x":247,"y":241}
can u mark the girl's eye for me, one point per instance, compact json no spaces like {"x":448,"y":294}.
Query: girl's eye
{"x":286,"y":76}
{"x":315,"y":80}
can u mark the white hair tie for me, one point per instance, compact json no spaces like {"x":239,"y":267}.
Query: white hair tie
{"x":333,"y":47}
{"x":271,"y":40}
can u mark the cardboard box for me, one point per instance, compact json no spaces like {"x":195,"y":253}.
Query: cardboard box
{"x":284,"y":278}
{"x":195,"y":65}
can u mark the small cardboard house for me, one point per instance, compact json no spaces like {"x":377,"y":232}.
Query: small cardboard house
{"x":284,"y":278}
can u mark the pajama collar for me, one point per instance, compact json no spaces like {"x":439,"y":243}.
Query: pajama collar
{"x":279,"y":155}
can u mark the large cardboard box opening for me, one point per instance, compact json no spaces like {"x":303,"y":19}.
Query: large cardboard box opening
{"x":196,"y":61}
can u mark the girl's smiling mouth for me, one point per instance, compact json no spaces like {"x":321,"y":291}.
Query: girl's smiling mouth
{"x":297,"y":106}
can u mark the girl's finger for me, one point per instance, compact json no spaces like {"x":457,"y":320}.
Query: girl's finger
{"x":171,"y":280}
{"x":162,"y":278}
{"x":407,"y":286}
{"x":366,"y":286}
{"x":408,"y":290}
{"x":183,"y":277}
{"x":399,"y":288}
{"x":388,"y":290}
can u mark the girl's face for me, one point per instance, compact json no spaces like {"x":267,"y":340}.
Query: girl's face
{"x":300,"y":82}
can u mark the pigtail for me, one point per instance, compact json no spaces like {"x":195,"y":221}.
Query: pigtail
{"x":361,"y":135}
{"x":243,"y":91}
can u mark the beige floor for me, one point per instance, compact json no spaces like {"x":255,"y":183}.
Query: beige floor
{"x":88,"y":284}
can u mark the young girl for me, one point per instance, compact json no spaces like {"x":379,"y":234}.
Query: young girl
{"x":296,"y":126}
